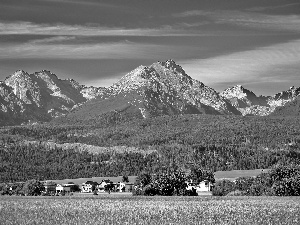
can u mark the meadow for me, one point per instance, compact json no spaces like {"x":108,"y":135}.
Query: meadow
{"x":127,"y":209}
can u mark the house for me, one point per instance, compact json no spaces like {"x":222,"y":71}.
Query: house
{"x":87,"y":186}
{"x":49,"y":186}
{"x":73,"y":187}
{"x":101,"y":186}
{"x":203,"y":186}
{"x":60,"y":188}
{"x":120,"y":187}
{"x":128,"y":187}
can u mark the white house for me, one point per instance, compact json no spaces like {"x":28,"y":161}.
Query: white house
{"x":61,"y":188}
{"x":86,"y":187}
{"x":203,"y":186}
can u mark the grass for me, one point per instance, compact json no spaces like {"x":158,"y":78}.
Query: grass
{"x":122,"y":209}
{"x":233,"y":174}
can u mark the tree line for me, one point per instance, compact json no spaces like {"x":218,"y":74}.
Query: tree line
{"x":211,"y":142}
{"x":19,"y":161}
{"x":282,"y":180}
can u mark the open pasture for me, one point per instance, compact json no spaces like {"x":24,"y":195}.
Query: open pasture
{"x":122,"y":209}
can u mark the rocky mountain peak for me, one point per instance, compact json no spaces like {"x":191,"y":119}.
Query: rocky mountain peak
{"x":237,"y":91}
{"x":171,"y":65}
{"x":166,"y":85}
{"x":45,"y":75}
{"x":19,"y":74}
{"x":292,"y":93}
{"x":246,"y":101}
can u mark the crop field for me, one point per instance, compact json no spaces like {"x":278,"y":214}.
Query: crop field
{"x":122,"y":209}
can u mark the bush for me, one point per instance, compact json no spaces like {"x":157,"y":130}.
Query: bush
{"x":149,"y":190}
{"x":33,"y":187}
{"x":4,"y":189}
{"x":236,"y":193}
{"x":257,"y":190}
{"x":223,"y":187}
{"x":287,"y":187}
{"x":143,"y":179}
{"x":190,"y":192}
{"x":137,"y":190}
{"x":286,"y":180}
{"x":243,"y":184}
{"x":166,"y":184}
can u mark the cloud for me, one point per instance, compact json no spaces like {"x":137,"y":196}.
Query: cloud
{"x":181,"y":29}
{"x":114,"y":50}
{"x":53,"y":40}
{"x":261,"y":65}
{"x":25,"y":28}
{"x":193,"y":13}
{"x":82,"y":2}
{"x":262,"y":8}
{"x":249,"y":19}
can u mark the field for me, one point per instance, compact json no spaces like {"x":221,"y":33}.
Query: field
{"x":122,"y":209}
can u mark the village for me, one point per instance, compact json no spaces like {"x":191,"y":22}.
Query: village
{"x":109,"y":186}
{"x":120,"y":184}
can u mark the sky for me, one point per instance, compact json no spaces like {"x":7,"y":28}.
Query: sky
{"x":221,"y":43}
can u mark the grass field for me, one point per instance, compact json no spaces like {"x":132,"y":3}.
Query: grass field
{"x":124,"y":209}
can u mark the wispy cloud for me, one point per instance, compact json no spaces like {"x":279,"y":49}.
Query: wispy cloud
{"x":263,"y":8}
{"x":252,"y":66}
{"x":83,"y":2}
{"x":114,"y":50}
{"x":248,"y":19}
{"x":193,"y":13}
{"x":63,"y":29}
{"x":53,"y":40}
{"x":25,"y":28}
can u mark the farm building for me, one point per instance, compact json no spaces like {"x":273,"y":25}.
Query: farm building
{"x":86,"y":183}
{"x":203,"y":186}
{"x":62,"y":188}
{"x":49,"y":186}
{"x":87,"y":187}
{"x":101,"y":186}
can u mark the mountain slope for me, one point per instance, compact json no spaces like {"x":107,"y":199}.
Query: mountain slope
{"x":12,"y":108}
{"x":249,"y":104}
{"x":291,"y":108}
{"x":162,"y":88}
{"x":246,"y":101}
{"x":166,"y":83}
{"x":40,"y":96}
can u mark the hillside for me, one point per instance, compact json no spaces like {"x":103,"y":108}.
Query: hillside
{"x":117,"y":147}
{"x":289,"y":109}
{"x":40,"y":96}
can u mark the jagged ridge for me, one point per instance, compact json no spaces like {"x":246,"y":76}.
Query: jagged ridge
{"x":162,"y":88}
{"x":249,"y":104}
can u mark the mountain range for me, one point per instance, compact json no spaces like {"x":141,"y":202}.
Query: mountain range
{"x":162,"y":88}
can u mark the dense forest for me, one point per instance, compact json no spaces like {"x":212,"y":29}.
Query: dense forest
{"x":177,"y":142}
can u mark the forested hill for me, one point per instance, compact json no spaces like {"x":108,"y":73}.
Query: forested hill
{"x":153,"y":144}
